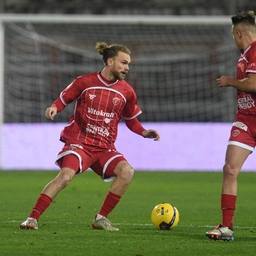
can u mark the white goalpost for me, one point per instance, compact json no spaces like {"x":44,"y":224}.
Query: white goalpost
{"x":115,"y":19}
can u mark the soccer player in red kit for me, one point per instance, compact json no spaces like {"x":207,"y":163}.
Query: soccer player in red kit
{"x":242,"y":139}
{"x":101,"y":100}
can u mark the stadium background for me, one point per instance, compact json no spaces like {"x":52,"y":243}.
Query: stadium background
{"x":173,"y":70}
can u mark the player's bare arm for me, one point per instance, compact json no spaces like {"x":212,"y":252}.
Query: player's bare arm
{"x":151,"y":134}
{"x":51,"y":112}
{"x":246,"y":85}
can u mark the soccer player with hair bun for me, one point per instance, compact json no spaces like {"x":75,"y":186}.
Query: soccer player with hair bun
{"x":242,"y":138}
{"x":102,"y":99}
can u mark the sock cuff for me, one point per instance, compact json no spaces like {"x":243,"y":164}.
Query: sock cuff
{"x":228,"y":201}
{"x":115,"y":196}
{"x":46,"y":198}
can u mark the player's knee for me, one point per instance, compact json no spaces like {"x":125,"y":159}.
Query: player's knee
{"x":64,"y":177}
{"x":125,"y":172}
{"x":129,"y":173}
{"x":230,"y":171}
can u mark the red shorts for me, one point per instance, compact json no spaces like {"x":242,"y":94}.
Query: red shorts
{"x":243,"y":132}
{"x":80,"y":158}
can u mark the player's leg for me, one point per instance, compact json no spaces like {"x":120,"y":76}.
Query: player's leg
{"x":51,"y":190}
{"x":123,"y":173}
{"x":64,"y":177}
{"x":235,"y":158}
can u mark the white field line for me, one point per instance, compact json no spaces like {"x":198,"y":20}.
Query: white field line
{"x":125,"y":224}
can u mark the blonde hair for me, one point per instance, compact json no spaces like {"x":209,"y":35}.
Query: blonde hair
{"x":110,"y":51}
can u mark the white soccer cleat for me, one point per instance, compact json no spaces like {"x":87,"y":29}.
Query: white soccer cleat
{"x":103,"y":223}
{"x":221,"y":233}
{"x":29,"y":223}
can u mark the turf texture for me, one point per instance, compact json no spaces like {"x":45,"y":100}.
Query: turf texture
{"x":65,"y":227}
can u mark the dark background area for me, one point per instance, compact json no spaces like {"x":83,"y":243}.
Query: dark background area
{"x":173,"y":70}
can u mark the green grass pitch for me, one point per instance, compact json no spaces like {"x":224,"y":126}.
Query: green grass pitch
{"x":65,"y":227}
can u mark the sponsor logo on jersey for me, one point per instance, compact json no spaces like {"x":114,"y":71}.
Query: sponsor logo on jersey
{"x":246,"y":102}
{"x":107,"y":117}
{"x":100,"y":113}
{"x":252,"y":65}
{"x":97,"y":130}
{"x":240,"y":125}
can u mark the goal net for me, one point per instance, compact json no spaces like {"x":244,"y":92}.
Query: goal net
{"x":175,"y":63}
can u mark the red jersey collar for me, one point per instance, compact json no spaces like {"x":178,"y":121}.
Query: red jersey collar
{"x":249,"y":47}
{"x":105,"y":81}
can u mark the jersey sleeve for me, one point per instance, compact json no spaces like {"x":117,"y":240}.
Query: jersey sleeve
{"x":69,"y":94}
{"x":251,"y":67}
{"x":131,"y":109}
{"x":135,"y":126}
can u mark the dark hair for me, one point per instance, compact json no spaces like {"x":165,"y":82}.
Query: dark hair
{"x":247,"y":17}
{"x":110,"y":51}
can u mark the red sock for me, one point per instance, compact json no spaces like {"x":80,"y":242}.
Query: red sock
{"x":41,"y":205}
{"x":109,"y":204}
{"x":228,"y":205}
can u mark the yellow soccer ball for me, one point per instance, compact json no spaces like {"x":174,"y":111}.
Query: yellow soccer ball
{"x":165,"y":216}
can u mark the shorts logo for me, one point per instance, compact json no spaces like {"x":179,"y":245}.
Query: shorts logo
{"x":75,"y":146}
{"x":240,"y":125}
{"x":235,"y":133}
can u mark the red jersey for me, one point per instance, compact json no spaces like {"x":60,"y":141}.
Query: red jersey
{"x":99,"y":107}
{"x":246,"y":102}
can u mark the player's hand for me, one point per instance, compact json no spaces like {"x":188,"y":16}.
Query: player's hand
{"x":51,"y":112}
{"x":223,"y":81}
{"x":151,"y":134}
